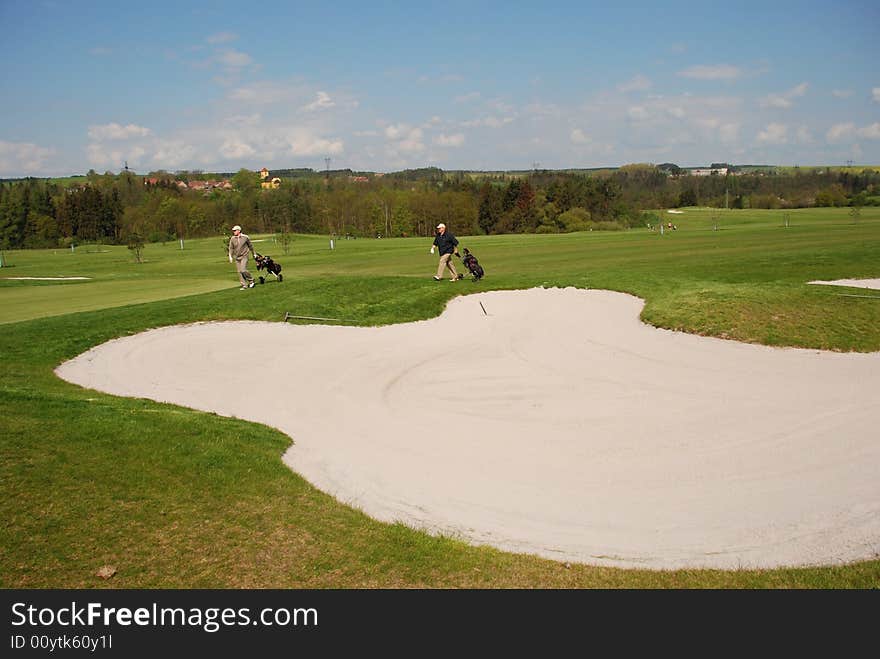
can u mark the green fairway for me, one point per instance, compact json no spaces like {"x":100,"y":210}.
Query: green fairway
{"x":180,"y":499}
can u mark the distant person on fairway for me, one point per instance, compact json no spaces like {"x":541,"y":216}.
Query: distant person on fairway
{"x":448,"y":245}
{"x":239,"y":248}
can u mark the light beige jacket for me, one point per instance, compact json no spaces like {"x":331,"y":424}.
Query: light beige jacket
{"x":240,"y":246}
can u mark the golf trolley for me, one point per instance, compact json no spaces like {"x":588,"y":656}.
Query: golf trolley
{"x":473,"y":266}
{"x":266,"y":263}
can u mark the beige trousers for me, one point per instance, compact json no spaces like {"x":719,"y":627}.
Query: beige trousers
{"x":244,"y":276}
{"x":446,"y":262}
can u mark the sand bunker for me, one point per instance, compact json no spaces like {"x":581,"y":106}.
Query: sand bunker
{"x":558,"y":425}
{"x":50,"y":278}
{"x":853,"y":283}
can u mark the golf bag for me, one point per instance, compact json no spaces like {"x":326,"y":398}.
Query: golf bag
{"x":473,"y":266}
{"x":266,"y":263}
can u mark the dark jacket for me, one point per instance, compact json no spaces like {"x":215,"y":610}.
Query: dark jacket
{"x":446,"y":242}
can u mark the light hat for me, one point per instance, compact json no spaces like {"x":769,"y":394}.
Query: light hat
{"x":236,"y":228}
{"x":441,"y":226}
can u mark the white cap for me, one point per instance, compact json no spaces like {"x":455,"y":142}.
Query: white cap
{"x":236,"y":228}
{"x":441,"y":226}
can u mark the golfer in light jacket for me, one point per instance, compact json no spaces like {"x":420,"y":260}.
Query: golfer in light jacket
{"x":239,"y":248}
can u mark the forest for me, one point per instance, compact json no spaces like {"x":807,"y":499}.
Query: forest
{"x":160,"y":206}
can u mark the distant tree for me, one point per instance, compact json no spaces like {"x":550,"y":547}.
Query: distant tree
{"x":687,"y":197}
{"x":490,"y":208}
{"x":246,"y":181}
{"x":136,"y":245}
{"x":42,"y":231}
{"x":526,"y":212}
{"x":575,"y":219}
{"x":284,"y":239}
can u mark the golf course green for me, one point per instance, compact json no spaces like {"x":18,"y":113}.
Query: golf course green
{"x":174,"y":498}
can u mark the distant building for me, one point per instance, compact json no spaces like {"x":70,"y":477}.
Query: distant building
{"x":720,"y":171}
{"x":266,"y":183}
{"x":208,"y":186}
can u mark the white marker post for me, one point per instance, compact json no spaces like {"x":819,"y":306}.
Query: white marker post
{"x":181,"y":243}
{"x":331,"y":243}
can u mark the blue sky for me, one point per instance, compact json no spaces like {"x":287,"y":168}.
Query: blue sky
{"x":383,"y":86}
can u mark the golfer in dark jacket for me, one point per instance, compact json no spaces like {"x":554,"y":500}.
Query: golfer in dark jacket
{"x":448,"y":245}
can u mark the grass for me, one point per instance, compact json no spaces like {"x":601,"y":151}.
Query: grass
{"x":175,"y":498}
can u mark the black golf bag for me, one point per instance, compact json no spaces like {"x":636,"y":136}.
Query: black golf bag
{"x":266,"y":263}
{"x":473,"y":266}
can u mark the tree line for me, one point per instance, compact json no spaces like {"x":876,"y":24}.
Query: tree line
{"x":119,"y":208}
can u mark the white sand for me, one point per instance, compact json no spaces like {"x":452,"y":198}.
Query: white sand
{"x":558,"y":425}
{"x":853,"y":283}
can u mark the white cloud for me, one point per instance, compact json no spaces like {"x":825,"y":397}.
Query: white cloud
{"x":449,"y":140}
{"x":242,"y":120}
{"x":413,"y":142}
{"x":288,"y":94}
{"x":871,"y":132}
{"x":578,"y":136}
{"x":842,"y":93}
{"x":803,"y":135}
{"x":18,"y":158}
{"x":222,"y":37}
{"x":774,"y":134}
{"x":173,"y":154}
{"x":875,"y":94}
{"x":470,"y":97}
{"x":638,"y":113}
{"x":114,"y":131}
{"x":502,"y":107}
{"x":728,"y":133}
{"x":784,"y":100}
{"x":716,"y":72}
{"x":539,"y":109}
{"x":322,"y":102}
{"x":394,"y":132}
{"x":841,"y":132}
{"x":111,"y":156}
{"x":404,"y":138}
{"x":233,"y":149}
{"x":303,"y":142}
{"x":848,"y":131}
{"x":636,"y":84}
{"x":234,"y":59}
{"x":488,"y":122}
{"x":261,"y":92}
